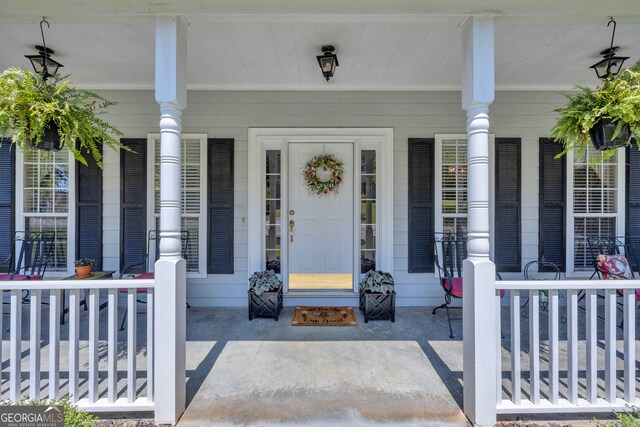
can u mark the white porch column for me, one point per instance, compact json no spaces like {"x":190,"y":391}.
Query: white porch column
{"x":170,"y":269}
{"x":479,"y":308}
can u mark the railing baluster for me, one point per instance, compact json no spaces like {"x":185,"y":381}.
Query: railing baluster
{"x":15,"y":346}
{"x":610,"y":373}
{"x":499,"y":349}
{"x":74,"y":344}
{"x":34,"y":345}
{"x":630,"y":345}
{"x":554,"y":377}
{"x":94,"y":319}
{"x":54,"y":344}
{"x":534,"y":345}
{"x":592,"y":345}
{"x":150,"y":343}
{"x":131,"y":344}
{"x":516,"y":385}
{"x":23,"y":361}
{"x":572,"y":345}
{"x":112,"y":346}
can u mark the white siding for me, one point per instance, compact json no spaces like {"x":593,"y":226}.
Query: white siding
{"x":229,"y":114}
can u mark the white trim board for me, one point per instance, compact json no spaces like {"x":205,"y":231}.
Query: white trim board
{"x":261,"y":139}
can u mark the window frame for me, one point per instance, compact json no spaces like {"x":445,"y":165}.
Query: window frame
{"x":437,"y":167}
{"x":21,"y":215}
{"x":570,"y":215}
{"x":202,"y":216}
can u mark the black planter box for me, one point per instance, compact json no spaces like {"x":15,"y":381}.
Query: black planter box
{"x":269,"y":304}
{"x":377,"y":305}
{"x":602,"y":132}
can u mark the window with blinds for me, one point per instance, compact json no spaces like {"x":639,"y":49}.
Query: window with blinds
{"x":595,"y":203}
{"x":454,"y":185}
{"x":192,"y":200}
{"x":46,"y":200}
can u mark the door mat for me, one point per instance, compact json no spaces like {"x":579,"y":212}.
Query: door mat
{"x":324,"y":316}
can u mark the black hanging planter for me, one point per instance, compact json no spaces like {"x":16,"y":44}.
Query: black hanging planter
{"x":50,"y":140}
{"x":602,"y":132}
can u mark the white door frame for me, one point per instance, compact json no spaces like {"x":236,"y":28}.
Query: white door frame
{"x":262,"y":139}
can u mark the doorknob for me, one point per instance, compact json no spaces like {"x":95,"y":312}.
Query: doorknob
{"x":291,"y":225}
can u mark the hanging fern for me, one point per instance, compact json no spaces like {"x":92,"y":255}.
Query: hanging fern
{"x":28,"y":105}
{"x":616,"y":99}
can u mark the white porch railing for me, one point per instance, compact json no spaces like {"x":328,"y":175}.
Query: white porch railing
{"x":85,"y":359}
{"x":560,"y":367}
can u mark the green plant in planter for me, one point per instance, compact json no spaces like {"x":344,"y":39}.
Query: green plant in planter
{"x":616,"y":99}
{"x":30,"y":106}
{"x":83,"y":262}
{"x":264,"y":281}
{"x":377,"y":282}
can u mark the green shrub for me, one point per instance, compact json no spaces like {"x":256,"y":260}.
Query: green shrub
{"x":625,"y":419}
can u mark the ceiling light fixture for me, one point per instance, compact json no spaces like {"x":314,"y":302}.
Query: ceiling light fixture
{"x":42,"y":62}
{"x":328,"y":61}
{"x":610,"y":66}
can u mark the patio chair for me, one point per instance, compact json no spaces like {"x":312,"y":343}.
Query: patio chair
{"x":615,"y":258}
{"x":153,"y":243}
{"x":33,"y":256}
{"x":450,"y":251}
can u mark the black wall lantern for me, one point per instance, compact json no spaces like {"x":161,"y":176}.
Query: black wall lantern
{"x":611,"y":64}
{"x":42,"y":62}
{"x":328,"y":61}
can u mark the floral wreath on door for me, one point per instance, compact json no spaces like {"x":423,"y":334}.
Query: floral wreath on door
{"x":323,"y":174}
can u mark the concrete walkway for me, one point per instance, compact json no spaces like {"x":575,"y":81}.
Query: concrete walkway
{"x":263,"y":372}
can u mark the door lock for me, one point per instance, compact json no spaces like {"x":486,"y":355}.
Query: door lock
{"x":292,"y":212}
{"x":291,"y":225}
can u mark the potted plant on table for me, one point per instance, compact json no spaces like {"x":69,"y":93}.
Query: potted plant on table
{"x":608,"y":117}
{"x":49,"y":115}
{"x":377,"y":297}
{"x":265,"y":295}
{"x":83,"y":267}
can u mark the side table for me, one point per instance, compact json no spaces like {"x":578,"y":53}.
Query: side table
{"x":95,"y":275}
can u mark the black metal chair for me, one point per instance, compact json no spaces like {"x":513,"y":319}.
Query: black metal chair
{"x":450,"y":252}
{"x":153,"y":243}
{"x":540,"y":269}
{"x":29,"y":258}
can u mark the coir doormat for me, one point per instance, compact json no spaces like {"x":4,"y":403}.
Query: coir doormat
{"x":324,"y":316}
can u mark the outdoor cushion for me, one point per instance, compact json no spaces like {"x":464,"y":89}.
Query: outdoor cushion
{"x":613,"y":267}
{"x":453,"y":286}
{"x":7,"y":276}
{"x":456,"y":287}
{"x":141,"y":276}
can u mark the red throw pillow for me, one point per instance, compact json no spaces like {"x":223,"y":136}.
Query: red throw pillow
{"x":613,"y":267}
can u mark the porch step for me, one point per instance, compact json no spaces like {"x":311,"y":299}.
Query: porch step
{"x":328,"y":383}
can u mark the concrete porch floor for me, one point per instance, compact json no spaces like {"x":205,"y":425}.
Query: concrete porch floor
{"x":264,"y":372}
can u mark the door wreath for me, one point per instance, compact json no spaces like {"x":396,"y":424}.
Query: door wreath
{"x":323,"y":174}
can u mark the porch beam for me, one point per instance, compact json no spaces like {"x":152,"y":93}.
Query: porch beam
{"x":479,"y":307}
{"x":170,"y":269}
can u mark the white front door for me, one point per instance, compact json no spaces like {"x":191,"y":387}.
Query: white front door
{"x":320,"y":236}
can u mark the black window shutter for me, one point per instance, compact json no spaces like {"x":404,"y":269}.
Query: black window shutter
{"x":552,"y":206}
{"x":633,"y":191}
{"x":89,"y":211}
{"x":507,"y":205}
{"x":7,"y":199}
{"x":133,"y":202}
{"x":421,"y":206}
{"x":220,"y":200}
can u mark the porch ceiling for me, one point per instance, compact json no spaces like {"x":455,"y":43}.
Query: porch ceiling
{"x":416,"y":48}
